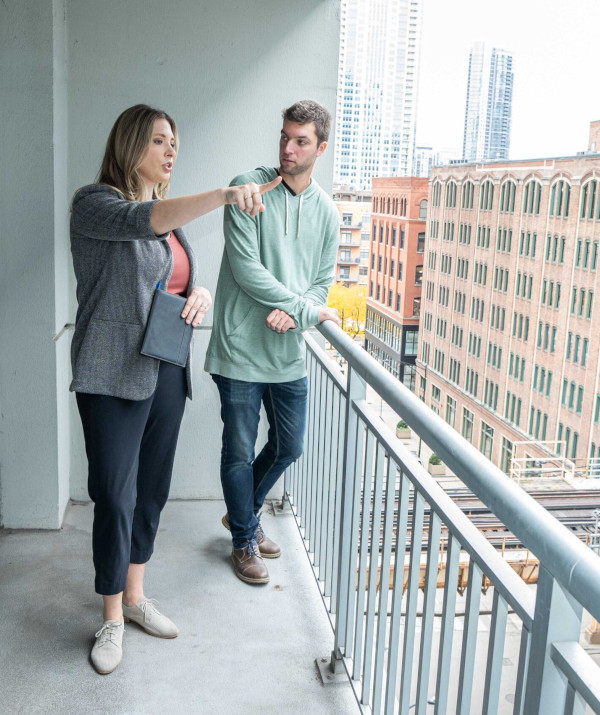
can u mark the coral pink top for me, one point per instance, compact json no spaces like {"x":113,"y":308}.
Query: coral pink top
{"x":178,"y":283}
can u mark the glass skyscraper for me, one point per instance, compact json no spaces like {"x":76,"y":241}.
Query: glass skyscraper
{"x":377,"y":90}
{"x":489,"y":105}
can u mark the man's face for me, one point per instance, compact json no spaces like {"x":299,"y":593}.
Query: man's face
{"x":299,"y":148}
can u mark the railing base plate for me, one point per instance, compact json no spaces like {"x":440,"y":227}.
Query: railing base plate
{"x":327,"y":675}
{"x":282,"y":508}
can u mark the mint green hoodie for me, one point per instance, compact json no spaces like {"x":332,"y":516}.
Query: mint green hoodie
{"x":283,"y":258}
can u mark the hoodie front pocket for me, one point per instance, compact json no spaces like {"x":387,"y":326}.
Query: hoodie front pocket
{"x":245,"y":320}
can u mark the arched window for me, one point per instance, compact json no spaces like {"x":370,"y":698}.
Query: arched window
{"x":532,"y":195}
{"x":436,"y":193}
{"x":590,"y":206}
{"x":508,"y":192}
{"x":468,"y":192}
{"x":423,"y":209}
{"x":451,"y":194}
{"x":486,"y":196}
{"x":560,"y":194}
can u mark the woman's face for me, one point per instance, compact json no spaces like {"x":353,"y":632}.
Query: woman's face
{"x":159,"y":158}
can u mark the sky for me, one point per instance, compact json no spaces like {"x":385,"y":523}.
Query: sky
{"x":556,"y":64}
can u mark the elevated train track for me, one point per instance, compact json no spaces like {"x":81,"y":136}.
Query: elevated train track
{"x":572,"y":508}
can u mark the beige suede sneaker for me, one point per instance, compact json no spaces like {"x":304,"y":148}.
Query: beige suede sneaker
{"x":107,"y":651}
{"x":146,"y":615}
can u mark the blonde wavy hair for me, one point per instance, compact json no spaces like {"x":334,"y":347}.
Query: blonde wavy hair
{"x":125,"y":149}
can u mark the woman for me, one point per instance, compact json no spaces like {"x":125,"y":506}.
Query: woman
{"x":125,"y":238}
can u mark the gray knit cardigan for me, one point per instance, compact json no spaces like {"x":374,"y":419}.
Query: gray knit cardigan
{"x":118,"y":261}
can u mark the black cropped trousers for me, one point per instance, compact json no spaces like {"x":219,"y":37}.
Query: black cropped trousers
{"x":130,"y":447}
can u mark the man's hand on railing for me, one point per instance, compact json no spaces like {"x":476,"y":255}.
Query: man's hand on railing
{"x":280,"y":321}
{"x":329,"y":314}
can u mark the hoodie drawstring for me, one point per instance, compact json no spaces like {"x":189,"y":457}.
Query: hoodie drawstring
{"x":299,"y":212}
{"x":287,"y":211}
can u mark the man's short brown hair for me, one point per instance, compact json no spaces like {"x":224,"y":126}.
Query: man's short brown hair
{"x":307,"y":111}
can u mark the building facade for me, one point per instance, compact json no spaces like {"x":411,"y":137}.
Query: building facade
{"x":377,"y":90}
{"x":509,"y":345}
{"x":488,"y":108}
{"x":398,"y":224}
{"x":355,"y":234}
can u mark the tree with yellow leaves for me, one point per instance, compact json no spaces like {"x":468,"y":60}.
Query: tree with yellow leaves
{"x":351,"y":304}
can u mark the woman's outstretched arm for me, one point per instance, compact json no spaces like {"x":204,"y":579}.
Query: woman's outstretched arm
{"x":173,"y":213}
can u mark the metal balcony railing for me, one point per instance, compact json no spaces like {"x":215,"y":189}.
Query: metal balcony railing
{"x":365,"y":507}
{"x":342,"y":261}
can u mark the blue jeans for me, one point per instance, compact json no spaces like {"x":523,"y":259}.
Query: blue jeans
{"x":246,"y":480}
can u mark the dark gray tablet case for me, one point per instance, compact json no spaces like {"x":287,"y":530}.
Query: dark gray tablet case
{"x":167,"y":335}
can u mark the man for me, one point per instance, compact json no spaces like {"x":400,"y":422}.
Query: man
{"x":275,"y":274}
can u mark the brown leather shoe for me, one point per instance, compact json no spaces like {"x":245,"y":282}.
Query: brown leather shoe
{"x":248,"y":564}
{"x":267,"y":547}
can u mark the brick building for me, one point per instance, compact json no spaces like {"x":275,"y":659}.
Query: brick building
{"x":398,"y":223}
{"x":355,"y":232}
{"x":509,"y":343}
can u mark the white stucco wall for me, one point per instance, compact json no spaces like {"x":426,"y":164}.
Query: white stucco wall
{"x":224,"y":71}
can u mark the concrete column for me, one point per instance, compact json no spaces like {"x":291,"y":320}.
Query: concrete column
{"x":33,"y":419}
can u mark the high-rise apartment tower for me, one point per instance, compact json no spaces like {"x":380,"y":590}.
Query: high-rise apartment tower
{"x":489,"y":105}
{"x":377,"y":90}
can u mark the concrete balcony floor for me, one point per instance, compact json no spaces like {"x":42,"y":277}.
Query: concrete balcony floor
{"x":242,"y":649}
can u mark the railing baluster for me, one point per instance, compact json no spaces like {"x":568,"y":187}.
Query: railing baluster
{"x":374,"y":573}
{"x":574,"y":703}
{"x":356,"y":478}
{"x":302,"y":492}
{"x":310,"y":474}
{"x":309,"y":453}
{"x":396,"y":617}
{"x":325,"y":536}
{"x":356,"y":390}
{"x":310,"y":495}
{"x":431,"y":578}
{"x":312,"y":477}
{"x":319,"y":472}
{"x":493,"y":671}
{"x":384,"y":584}
{"x":447,"y":632}
{"x":338,"y":508}
{"x":366,"y":467}
{"x":467,"y":659}
{"x":410,"y":620}
{"x":521,"y":671}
